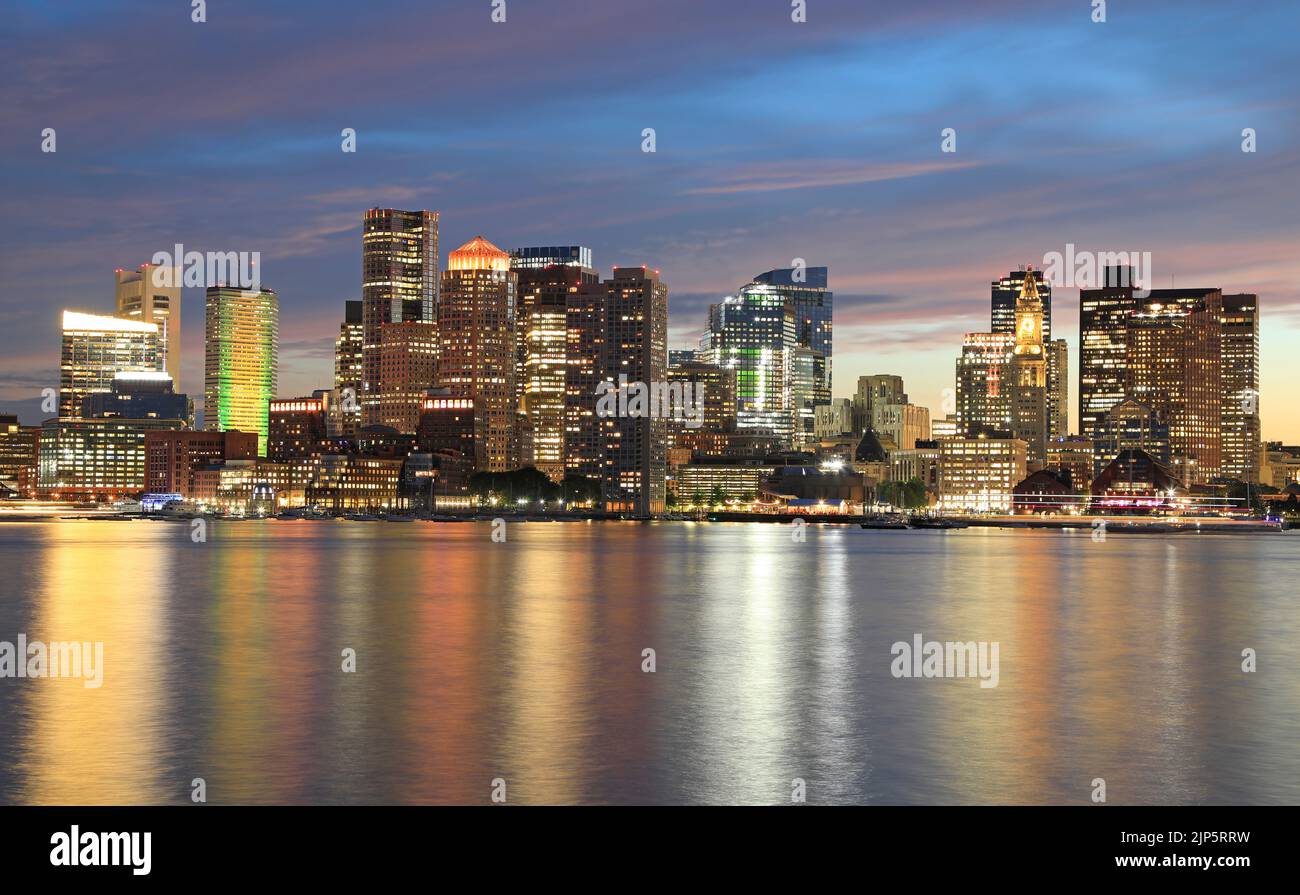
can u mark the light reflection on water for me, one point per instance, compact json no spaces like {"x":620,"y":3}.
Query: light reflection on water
{"x":522,"y":661}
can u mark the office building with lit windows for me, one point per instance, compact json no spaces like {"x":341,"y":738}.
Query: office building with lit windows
{"x":636,"y":346}
{"x":140,"y":298}
{"x":100,"y":454}
{"x":753,"y":333}
{"x":95,"y":349}
{"x":408,"y":368}
{"x":1174,"y":365}
{"x":349,"y":371}
{"x":550,"y":278}
{"x":979,"y":474}
{"x":1103,"y":346}
{"x":983,"y":396}
{"x":241,"y":359}
{"x":19,"y":447}
{"x":1240,"y":418}
{"x":399,"y":283}
{"x":476,"y":354}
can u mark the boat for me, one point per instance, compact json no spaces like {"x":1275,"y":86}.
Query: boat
{"x":884,"y":522}
{"x":937,"y":522}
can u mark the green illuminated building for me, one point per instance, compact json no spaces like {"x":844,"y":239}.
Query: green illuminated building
{"x":242,"y":345}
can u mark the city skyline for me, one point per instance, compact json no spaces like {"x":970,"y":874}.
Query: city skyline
{"x":912,"y":236}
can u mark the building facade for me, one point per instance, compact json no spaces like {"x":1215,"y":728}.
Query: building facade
{"x":241,"y":359}
{"x":476,"y":332}
{"x":96,"y":349}
{"x":140,"y":298}
{"x":399,"y":283}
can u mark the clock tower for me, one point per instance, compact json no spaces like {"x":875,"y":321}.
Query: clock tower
{"x":1028,"y":379}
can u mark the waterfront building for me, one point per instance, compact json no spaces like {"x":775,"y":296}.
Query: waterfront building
{"x":19,"y":456}
{"x":173,"y":458}
{"x":979,"y":473}
{"x":1074,"y":456}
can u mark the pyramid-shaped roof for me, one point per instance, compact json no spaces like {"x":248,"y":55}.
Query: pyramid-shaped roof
{"x":478,"y":254}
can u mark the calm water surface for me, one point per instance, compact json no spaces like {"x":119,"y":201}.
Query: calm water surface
{"x":522,"y":661}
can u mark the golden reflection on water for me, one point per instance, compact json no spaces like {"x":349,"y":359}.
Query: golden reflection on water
{"x":100,"y":745}
{"x":523,"y":661}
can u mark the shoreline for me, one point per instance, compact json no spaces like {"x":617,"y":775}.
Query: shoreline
{"x":1112,"y":524}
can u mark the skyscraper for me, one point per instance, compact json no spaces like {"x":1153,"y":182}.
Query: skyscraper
{"x":1174,"y":364}
{"x":476,"y":333}
{"x":548,"y":277}
{"x":399,"y":282}
{"x":349,"y":372}
{"x":140,"y":298}
{"x":1027,"y":380}
{"x":96,"y":349}
{"x":1103,"y":346}
{"x":241,"y":360}
{"x":1058,"y":389}
{"x":584,"y":432}
{"x":1006,"y":293}
{"x":1240,"y":417}
{"x":408,"y":368}
{"x":754,"y":334}
{"x":636,"y":346}
{"x":983,"y":392}
{"x":809,"y":302}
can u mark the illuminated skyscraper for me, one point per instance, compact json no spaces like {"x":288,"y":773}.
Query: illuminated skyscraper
{"x":1027,"y":379}
{"x":754,"y":334}
{"x":476,"y":331}
{"x":349,"y":372}
{"x":636,"y":346}
{"x":1174,"y":364}
{"x":408,"y":368}
{"x":140,"y":298}
{"x":399,"y":282}
{"x":241,"y":360}
{"x":96,"y":349}
{"x":1006,"y":293}
{"x":549,"y":280}
{"x":1103,"y":346}
{"x":1058,"y":388}
{"x":983,"y":398}
{"x":1241,"y":423}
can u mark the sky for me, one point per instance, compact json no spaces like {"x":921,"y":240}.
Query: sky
{"x":775,"y":140}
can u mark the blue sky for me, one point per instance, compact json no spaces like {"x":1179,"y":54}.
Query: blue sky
{"x":775,"y":141}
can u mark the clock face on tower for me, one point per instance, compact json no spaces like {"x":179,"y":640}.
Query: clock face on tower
{"x":1027,"y":327}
